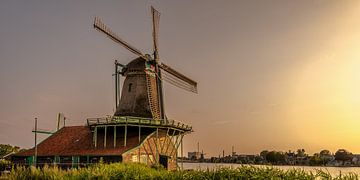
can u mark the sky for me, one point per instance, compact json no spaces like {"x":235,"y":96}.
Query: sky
{"x":275,"y":75}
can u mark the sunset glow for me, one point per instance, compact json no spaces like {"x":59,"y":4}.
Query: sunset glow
{"x":279,"y":75}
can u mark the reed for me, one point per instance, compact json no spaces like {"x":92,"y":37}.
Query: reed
{"x":140,"y":171}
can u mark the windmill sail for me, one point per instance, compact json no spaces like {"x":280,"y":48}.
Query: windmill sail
{"x":156,"y":20}
{"x":100,"y":26}
{"x":177,"y":79}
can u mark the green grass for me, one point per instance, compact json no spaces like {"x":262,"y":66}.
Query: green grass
{"x":139,"y":171}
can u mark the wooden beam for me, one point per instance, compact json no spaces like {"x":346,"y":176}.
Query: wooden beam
{"x":139,"y":142}
{"x":152,"y":152}
{"x":177,"y":146}
{"x":171,"y":140}
{"x":157,"y":143}
{"x":176,"y":142}
{"x":162,"y":147}
{"x":139,"y":133}
{"x":114,"y":136}
{"x":105,"y":136}
{"x":147,"y":153}
{"x":182,"y":155}
{"x":125,"y":135}
{"x":95,"y":136}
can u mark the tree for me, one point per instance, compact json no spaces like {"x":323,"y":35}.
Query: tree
{"x":6,"y":149}
{"x":275,"y":157}
{"x":326,"y":156}
{"x":264,"y":153}
{"x":343,"y":155}
{"x":315,"y":160}
{"x":325,"y":152}
{"x":301,"y":153}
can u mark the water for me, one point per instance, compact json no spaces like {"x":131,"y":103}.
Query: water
{"x":332,"y":170}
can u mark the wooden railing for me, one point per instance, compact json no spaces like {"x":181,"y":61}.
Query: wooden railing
{"x":138,"y":121}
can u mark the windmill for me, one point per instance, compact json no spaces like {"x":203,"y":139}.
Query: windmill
{"x":142,"y":93}
{"x":139,"y":130}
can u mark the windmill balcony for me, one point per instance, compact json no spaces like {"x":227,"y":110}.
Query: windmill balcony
{"x":139,"y":121}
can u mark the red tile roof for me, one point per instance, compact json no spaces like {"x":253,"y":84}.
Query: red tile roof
{"x":76,"y":140}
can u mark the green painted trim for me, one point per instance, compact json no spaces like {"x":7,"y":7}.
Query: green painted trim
{"x":75,"y":161}
{"x":56,"y":159}
{"x":30,"y":160}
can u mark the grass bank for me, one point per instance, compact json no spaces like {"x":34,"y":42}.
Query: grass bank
{"x":139,"y":171}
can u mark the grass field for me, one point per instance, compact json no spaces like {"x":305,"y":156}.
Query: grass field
{"x":139,"y":171}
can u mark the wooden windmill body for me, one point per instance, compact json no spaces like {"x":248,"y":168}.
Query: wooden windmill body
{"x":139,"y":93}
{"x":142,"y":93}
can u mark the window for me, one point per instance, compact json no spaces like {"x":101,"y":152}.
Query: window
{"x":143,"y":158}
{"x":134,"y":158}
{"x":130,"y":85}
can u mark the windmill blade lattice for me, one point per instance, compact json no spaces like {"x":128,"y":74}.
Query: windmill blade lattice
{"x":100,"y":26}
{"x":174,"y":77}
{"x":155,"y":34}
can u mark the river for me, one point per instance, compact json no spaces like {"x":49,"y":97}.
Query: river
{"x":332,"y":170}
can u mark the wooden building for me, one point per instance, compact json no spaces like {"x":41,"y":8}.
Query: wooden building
{"x":125,"y":139}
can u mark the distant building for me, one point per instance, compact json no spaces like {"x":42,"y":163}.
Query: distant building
{"x":194,"y":155}
{"x":356,"y":159}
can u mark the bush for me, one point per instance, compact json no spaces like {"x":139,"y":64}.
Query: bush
{"x":4,"y":164}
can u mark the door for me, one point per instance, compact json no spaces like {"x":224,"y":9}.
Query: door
{"x":164,"y":161}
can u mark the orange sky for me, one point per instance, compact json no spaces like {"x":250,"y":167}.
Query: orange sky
{"x":280,"y":75}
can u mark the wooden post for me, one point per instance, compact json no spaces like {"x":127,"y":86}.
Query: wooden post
{"x":177,"y":149}
{"x":105,"y":137}
{"x":176,"y":141}
{"x":152,"y":152}
{"x":139,"y":134}
{"x":58,"y":121}
{"x":147,"y":153}
{"x":116,"y":85}
{"x":177,"y":146}
{"x":182,"y":164}
{"x":35,"y":153}
{"x":139,"y":142}
{"x":114,"y":136}
{"x":125,"y":134}
{"x":156,"y":146}
{"x":95,"y":136}
{"x":165,"y":139}
{"x":171,"y":140}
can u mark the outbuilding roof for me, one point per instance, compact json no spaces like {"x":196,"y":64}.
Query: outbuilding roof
{"x":74,"y":141}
